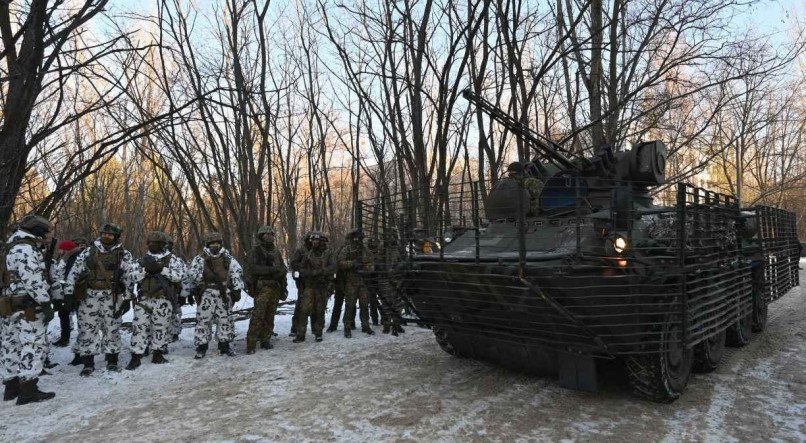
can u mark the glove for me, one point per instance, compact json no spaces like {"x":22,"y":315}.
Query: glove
{"x":125,"y":307}
{"x":153,"y":267}
{"x":236,"y":296}
{"x":182,"y":301}
{"x":58,"y":305}
{"x":47,"y":311}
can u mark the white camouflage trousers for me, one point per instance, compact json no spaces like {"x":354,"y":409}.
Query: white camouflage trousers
{"x":24,"y":346}
{"x":98,"y":330}
{"x":176,"y":324}
{"x":151,"y":324}
{"x":213,"y":308}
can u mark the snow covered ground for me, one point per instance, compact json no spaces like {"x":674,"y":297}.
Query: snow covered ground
{"x":406,"y":389}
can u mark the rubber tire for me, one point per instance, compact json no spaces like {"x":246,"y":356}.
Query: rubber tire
{"x":654,"y":377}
{"x":741,"y":332}
{"x":444,"y":342}
{"x":760,"y":313}
{"x":708,"y":353}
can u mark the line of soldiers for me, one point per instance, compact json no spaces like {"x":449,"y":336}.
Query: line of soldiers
{"x":102,"y":281}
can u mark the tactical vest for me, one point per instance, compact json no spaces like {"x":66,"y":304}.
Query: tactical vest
{"x":9,"y":277}
{"x":216,"y":270}
{"x":98,"y":262}
{"x":156,"y":285}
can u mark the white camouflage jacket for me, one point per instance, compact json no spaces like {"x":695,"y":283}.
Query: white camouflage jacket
{"x":174,"y":272}
{"x":127,"y":264}
{"x":27,"y":264}
{"x":193,"y":276}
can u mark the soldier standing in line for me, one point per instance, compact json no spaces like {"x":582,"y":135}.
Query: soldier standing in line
{"x":69,"y":251}
{"x":156,"y":273}
{"x":294,"y":262}
{"x":338,"y":302}
{"x":388,"y":287}
{"x":215,"y":279}
{"x":316,"y":271}
{"x":106,"y":268}
{"x":25,"y":310}
{"x":176,"y":323}
{"x":267,"y":274}
{"x":353,"y":259}
{"x":69,"y":301}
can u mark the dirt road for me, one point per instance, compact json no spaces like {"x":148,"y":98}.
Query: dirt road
{"x":407,"y":389}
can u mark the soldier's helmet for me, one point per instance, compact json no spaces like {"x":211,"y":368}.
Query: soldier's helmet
{"x":317,"y":235}
{"x":514,"y":168}
{"x":111,"y":228}
{"x":265,"y":229}
{"x":213,"y":237}
{"x":81,"y":241}
{"x":157,"y":237}
{"x":35,"y":224}
{"x":355,"y":234}
{"x":169,"y":239}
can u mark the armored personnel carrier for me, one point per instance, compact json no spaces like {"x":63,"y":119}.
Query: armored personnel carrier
{"x":568,"y":261}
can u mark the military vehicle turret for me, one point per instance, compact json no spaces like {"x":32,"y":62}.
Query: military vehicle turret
{"x":570,"y":260}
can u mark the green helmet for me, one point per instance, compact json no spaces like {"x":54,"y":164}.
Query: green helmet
{"x":35,"y":224}
{"x":355,"y":234}
{"x":213,"y":237}
{"x":157,"y":236}
{"x":314,"y":235}
{"x":111,"y":228}
{"x":81,"y":241}
{"x":265,"y":229}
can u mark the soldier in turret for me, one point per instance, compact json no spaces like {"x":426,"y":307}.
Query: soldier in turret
{"x":316,"y":270}
{"x":156,"y":272}
{"x":353,"y":259}
{"x":105,"y":268}
{"x":215,"y":279}
{"x":267,"y":275}
{"x":25,"y":311}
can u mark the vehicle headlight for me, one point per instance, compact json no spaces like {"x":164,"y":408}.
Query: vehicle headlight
{"x":620,"y":244}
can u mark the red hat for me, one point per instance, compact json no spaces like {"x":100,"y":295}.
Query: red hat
{"x":67,"y":245}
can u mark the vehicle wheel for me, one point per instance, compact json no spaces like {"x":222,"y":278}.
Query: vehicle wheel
{"x":662,"y":377}
{"x":759,"y":315}
{"x":445,"y":343}
{"x":708,"y":353}
{"x":741,"y":332}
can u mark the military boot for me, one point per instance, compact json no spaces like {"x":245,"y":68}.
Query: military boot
{"x":158,"y":357}
{"x":367,"y":330}
{"x":399,"y":329}
{"x":298,"y":339}
{"x":201,"y":351}
{"x":64,"y":340}
{"x":386,"y":329}
{"x":112,"y":362}
{"x":134,"y":363}
{"x":30,"y":393}
{"x":266,"y":344}
{"x":224,"y":349}
{"x":332,"y":328}
{"x":250,"y":351}
{"x":12,"y":389}
{"x":318,"y":338}
{"x":147,"y":351}
{"x":89,"y":365}
{"x":348,"y":333}
{"x":76,"y":359}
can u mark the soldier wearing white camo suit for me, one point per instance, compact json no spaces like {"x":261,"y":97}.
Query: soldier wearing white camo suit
{"x":176,"y":324}
{"x":215,"y":279}
{"x":26,"y":311}
{"x":106,"y":268}
{"x":156,"y":273}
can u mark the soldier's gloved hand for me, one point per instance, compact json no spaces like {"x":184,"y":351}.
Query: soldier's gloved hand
{"x":58,"y":305}
{"x":153,"y":267}
{"x":236,"y":296}
{"x":182,"y":301}
{"x":47,"y":312}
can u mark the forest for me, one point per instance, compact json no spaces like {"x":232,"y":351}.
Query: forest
{"x":189,"y":116}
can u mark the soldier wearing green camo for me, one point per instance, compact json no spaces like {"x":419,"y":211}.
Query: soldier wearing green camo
{"x":266,"y":274}
{"x":353,"y":259}
{"x":315,"y":269}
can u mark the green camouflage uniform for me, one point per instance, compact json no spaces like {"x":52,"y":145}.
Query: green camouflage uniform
{"x":316,"y":272}
{"x":353,"y":258}
{"x":267,"y":276}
